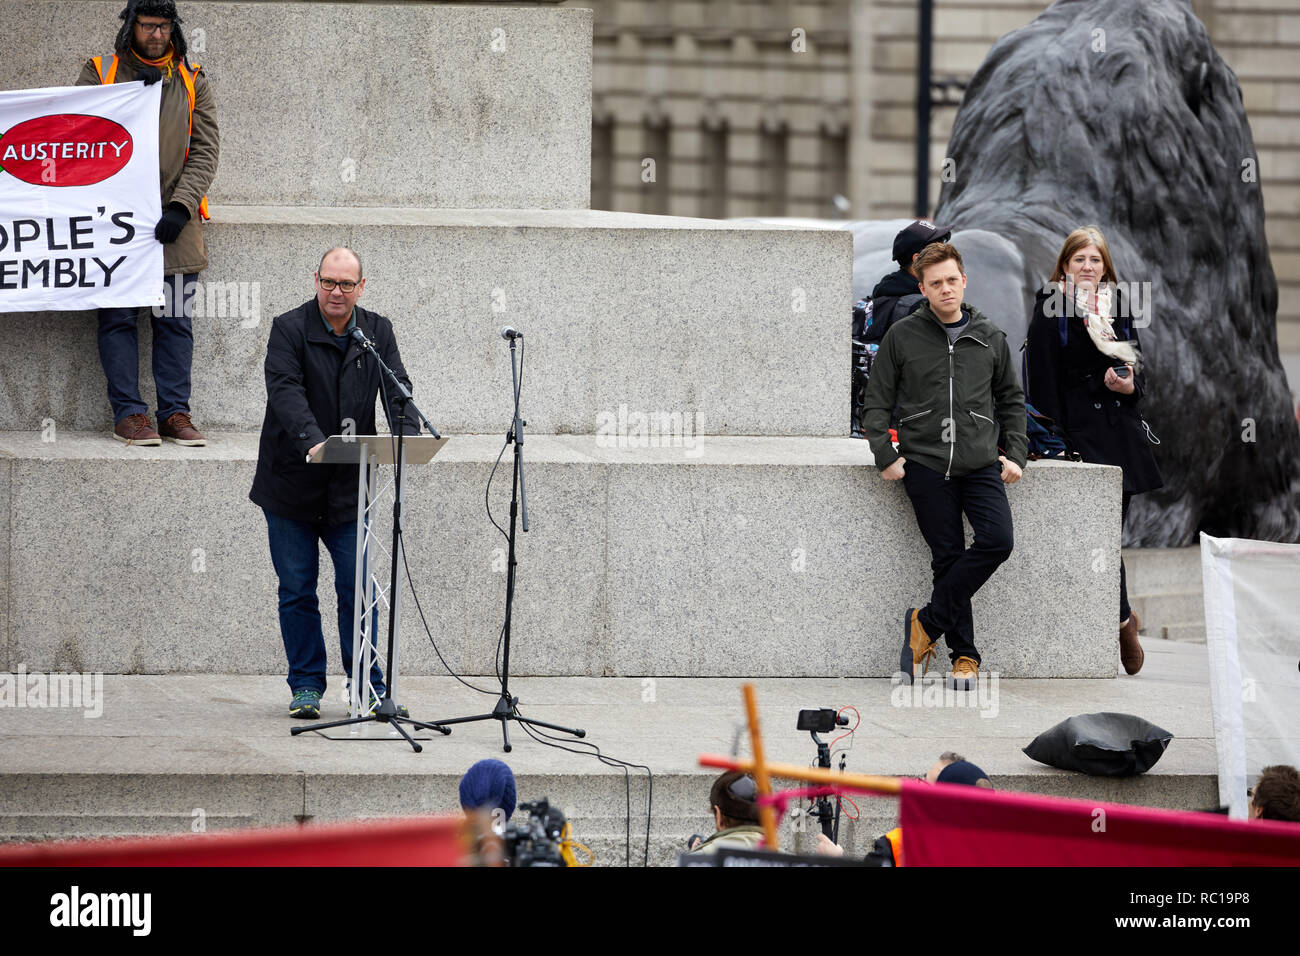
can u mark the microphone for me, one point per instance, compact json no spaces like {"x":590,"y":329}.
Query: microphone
{"x":508,"y":333}
{"x":360,"y":337}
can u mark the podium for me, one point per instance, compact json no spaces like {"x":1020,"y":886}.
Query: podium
{"x":369,"y":453}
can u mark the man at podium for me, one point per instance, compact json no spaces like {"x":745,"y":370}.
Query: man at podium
{"x":320,"y":382}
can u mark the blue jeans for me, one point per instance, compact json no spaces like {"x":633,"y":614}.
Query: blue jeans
{"x":295,"y":552}
{"x":173,"y":352}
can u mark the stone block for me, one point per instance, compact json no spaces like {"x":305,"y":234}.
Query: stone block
{"x":476,"y":106}
{"x":706,"y":557}
{"x":689,"y":316}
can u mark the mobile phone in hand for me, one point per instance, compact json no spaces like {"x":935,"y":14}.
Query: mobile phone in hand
{"x":1122,"y":371}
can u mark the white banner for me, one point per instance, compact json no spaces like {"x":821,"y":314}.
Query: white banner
{"x":79,"y":198}
{"x":1253,"y":641}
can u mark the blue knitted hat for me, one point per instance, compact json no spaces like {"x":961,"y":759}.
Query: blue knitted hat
{"x":963,"y":771}
{"x":487,"y":785}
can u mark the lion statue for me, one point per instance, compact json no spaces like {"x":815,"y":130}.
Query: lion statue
{"x":1123,"y":115}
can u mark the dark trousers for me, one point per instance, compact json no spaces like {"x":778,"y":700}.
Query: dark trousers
{"x":295,"y":552}
{"x":1124,"y":609}
{"x":959,"y":571}
{"x":173,"y":352}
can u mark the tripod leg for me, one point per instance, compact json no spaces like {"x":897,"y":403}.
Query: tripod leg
{"x":541,"y":723}
{"x":409,"y":739}
{"x":423,"y":726}
{"x":295,"y":731}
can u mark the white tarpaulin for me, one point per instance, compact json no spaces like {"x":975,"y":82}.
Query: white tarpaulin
{"x":1252,"y":631}
{"x":79,"y":198}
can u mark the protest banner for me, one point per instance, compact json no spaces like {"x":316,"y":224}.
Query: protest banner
{"x":79,"y":198}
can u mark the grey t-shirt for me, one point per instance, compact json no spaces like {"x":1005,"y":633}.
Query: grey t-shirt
{"x":958,"y":327}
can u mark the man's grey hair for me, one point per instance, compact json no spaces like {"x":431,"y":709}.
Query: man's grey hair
{"x":350,"y":251}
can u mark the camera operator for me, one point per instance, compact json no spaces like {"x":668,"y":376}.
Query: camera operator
{"x":487,"y":795}
{"x":733,"y":798}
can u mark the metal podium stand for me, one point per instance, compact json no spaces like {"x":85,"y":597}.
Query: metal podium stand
{"x":369,"y":452}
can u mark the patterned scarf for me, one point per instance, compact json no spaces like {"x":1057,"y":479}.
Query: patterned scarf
{"x":1100,"y":324}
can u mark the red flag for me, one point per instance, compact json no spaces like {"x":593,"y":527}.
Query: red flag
{"x":426,"y":841}
{"x":952,"y":825}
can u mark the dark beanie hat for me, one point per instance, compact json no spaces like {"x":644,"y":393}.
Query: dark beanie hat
{"x":734,"y":794}
{"x":963,"y":771}
{"x":487,"y":785}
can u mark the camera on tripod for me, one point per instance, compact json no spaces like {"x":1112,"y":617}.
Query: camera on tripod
{"x":823,"y":721}
{"x":539,"y":842}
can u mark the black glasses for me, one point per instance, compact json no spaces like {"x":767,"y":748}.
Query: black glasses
{"x":162,"y":29}
{"x":343,"y":285}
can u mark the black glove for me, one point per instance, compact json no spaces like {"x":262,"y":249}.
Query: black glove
{"x":173,"y":220}
{"x":149,"y":75}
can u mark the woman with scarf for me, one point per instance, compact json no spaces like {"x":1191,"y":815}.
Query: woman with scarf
{"x":1084,"y":370}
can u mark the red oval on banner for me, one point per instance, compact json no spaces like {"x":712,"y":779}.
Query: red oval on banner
{"x":65,"y":149}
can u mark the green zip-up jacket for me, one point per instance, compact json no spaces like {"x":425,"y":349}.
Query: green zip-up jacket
{"x":956,"y":401}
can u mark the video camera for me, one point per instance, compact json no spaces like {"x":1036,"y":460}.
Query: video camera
{"x":539,"y":841}
{"x":823,"y":721}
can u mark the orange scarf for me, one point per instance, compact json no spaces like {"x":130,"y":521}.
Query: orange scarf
{"x":163,"y":63}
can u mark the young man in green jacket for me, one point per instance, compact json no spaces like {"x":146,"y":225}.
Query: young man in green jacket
{"x":949,"y":371}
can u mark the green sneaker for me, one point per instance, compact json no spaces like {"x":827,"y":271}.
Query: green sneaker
{"x":305,"y":703}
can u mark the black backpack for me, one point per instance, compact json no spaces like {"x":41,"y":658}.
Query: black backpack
{"x":868,"y":329}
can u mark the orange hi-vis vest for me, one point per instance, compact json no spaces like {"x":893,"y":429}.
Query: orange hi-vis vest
{"x":895,"y":838}
{"x":107,"y":77}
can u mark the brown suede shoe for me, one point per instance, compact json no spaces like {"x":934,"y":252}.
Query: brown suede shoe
{"x":181,"y":430}
{"x":136,"y":430}
{"x":1130,"y":651}
{"x":917,"y":646}
{"x":965,"y":671}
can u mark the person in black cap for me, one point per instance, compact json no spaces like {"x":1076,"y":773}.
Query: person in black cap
{"x":896,"y":295}
{"x":733,"y":798}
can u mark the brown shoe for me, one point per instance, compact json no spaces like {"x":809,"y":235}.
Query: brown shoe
{"x":918,"y":648}
{"x":136,"y":430}
{"x":965,"y":671}
{"x":181,"y":430}
{"x":1130,"y":651}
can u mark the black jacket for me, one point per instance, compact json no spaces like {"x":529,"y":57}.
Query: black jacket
{"x":895,"y":297}
{"x":1067,"y":383}
{"x":315,"y":389}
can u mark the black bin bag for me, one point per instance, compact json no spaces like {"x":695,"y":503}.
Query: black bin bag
{"x":1103,"y":745}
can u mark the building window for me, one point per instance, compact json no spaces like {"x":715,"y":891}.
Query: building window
{"x":834,"y":163}
{"x":602,"y":163}
{"x":657,"y":143}
{"x":773,"y":169}
{"x":713,"y":202}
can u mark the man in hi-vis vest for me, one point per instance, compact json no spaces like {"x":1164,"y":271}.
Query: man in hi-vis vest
{"x":150,"y":47}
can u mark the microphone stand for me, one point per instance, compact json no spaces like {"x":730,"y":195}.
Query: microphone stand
{"x":386,"y":710}
{"x":507,"y":707}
